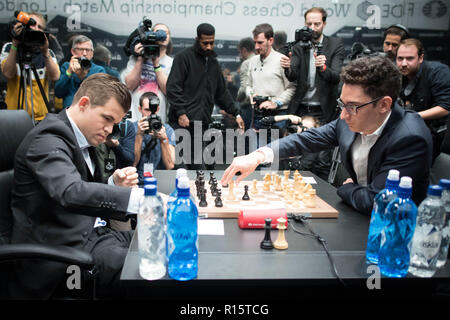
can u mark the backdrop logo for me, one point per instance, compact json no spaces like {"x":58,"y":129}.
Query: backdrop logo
{"x":363,"y":10}
{"x":73,"y":22}
{"x":434,"y":9}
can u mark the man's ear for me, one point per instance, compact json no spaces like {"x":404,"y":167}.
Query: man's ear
{"x":84,"y":103}
{"x":386,"y":104}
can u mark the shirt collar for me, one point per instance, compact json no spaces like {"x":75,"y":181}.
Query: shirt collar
{"x":81,"y":139}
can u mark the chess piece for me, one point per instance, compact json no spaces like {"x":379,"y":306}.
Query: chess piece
{"x":203,"y":202}
{"x":218,"y":200}
{"x":211,"y":177}
{"x":246,"y":196}
{"x":278,"y":186}
{"x":281,"y":243}
{"x":267,"y":242}
{"x":286,"y":176}
{"x":266,"y":186}
{"x":254,"y":190}
{"x":231,"y":195}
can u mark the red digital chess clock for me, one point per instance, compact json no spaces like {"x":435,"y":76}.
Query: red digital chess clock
{"x":254,"y":218}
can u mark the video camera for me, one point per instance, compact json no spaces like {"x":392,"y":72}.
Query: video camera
{"x":120,"y":129}
{"x":259,"y":112}
{"x":359,"y":50}
{"x":28,"y":37}
{"x":144,"y":34}
{"x":302,"y":36}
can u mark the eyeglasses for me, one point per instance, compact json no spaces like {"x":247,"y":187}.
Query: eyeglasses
{"x":352,"y":109}
{"x":83,"y":49}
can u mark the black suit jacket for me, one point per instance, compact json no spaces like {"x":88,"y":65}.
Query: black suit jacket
{"x":55,"y":200}
{"x":327,"y":82}
{"x":405,"y":144}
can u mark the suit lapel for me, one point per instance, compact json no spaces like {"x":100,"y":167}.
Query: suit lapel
{"x":377,"y":149}
{"x":348,"y":137}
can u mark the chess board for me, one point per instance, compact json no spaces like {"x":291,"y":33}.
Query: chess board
{"x":263,"y":199}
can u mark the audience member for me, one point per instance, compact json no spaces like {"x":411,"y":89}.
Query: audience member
{"x":371,"y":122}
{"x":44,"y":60}
{"x":74,"y":72}
{"x":102,"y":57}
{"x":316,"y":69}
{"x":266,"y":78}
{"x":279,"y":40}
{"x":154,"y":147}
{"x":246,"y":48}
{"x":194,"y":85}
{"x":392,"y":38}
{"x":425,"y":89}
{"x":56,"y":197}
{"x":149,"y":75}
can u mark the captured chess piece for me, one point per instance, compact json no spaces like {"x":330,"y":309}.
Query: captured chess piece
{"x":267,"y":242}
{"x":281,"y":243}
{"x":246,"y":196}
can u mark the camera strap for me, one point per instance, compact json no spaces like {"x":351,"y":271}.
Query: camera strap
{"x":150,"y":146}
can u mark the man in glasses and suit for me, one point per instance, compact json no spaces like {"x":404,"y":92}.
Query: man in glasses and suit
{"x":373,"y":132}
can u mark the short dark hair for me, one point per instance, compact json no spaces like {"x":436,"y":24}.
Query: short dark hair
{"x":397,"y":30}
{"x":413,"y":42}
{"x":247,"y":43}
{"x":378,"y":76}
{"x":147,"y":95}
{"x":205,"y":29}
{"x":263,"y":28}
{"x":279,"y":38}
{"x":100,"y":87}
{"x":319,"y":10}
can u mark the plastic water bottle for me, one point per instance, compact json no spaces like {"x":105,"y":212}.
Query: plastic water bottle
{"x":445,"y":198}
{"x":427,"y":237}
{"x":151,"y":236}
{"x":401,"y":214}
{"x":173,"y":195}
{"x":377,"y":220}
{"x":182,"y":235}
{"x":153,"y":181}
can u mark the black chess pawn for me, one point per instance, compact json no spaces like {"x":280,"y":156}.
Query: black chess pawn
{"x":218,"y":200}
{"x":203,"y":202}
{"x":267,"y":242}
{"x":246,"y":196}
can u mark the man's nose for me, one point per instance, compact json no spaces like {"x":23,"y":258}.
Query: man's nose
{"x":344,"y":114}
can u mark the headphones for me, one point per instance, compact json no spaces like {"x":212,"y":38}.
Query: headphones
{"x":401,"y":27}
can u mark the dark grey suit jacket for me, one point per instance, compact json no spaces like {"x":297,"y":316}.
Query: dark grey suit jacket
{"x":327,"y":82}
{"x":55,"y":199}
{"x":405,"y":144}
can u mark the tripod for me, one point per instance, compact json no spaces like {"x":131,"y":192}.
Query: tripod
{"x":26,"y":67}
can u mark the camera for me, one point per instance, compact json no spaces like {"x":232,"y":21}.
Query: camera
{"x":259,"y":112}
{"x":120,"y":129}
{"x":144,"y":34}
{"x":154,"y":123}
{"x":217,"y":122}
{"x":85,"y":63}
{"x":28,"y":37}
{"x":304,"y":36}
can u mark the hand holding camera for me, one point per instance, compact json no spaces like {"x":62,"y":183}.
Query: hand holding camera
{"x":80,"y":66}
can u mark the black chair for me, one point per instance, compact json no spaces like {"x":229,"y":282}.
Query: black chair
{"x":440,"y":168}
{"x":14,"y":125}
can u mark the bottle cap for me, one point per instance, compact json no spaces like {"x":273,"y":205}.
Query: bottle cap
{"x":445,"y":184}
{"x":181,"y":172}
{"x":435,"y":190}
{"x":150,"y":190}
{"x":183,"y":183}
{"x":394,"y":175}
{"x":405,"y":182}
{"x":150,"y":180}
{"x":147,"y":174}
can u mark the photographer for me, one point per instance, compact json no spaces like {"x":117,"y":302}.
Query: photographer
{"x":77,"y":69}
{"x":149,"y":73}
{"x":315,"y":64}
{"x":268,"y":87}
{"x":155,"y":141}
{"x":43,"y":59}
